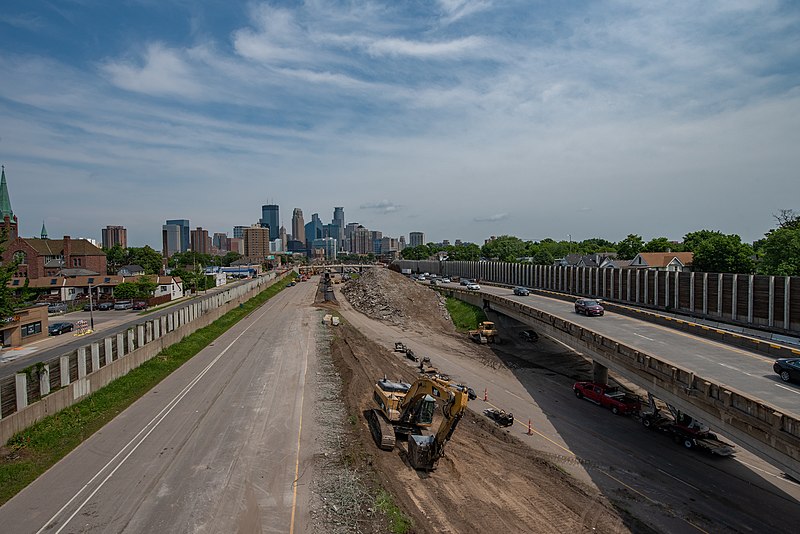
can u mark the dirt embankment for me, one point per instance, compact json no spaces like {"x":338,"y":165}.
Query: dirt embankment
{"x":489,"y":480}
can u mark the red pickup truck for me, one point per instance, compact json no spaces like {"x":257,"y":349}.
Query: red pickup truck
{"x":619,"y":402}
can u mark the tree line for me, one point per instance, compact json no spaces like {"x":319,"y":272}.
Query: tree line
{"x":777,"y":253}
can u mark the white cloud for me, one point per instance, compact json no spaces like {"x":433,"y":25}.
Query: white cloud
{"x":383,"y":206}
{"x":162,"y":72}
{"x":492,"y":218}
{"x":420,"y":49}
{"x":457,"y":9}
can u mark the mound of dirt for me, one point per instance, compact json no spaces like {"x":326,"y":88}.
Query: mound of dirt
{"x":389,"y":296}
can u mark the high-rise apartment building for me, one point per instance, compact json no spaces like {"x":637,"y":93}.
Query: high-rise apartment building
{"x":362,"y":241}
{"x":238,"y":231}
{"x":256,"y":242}
{"x":298,"y":226}
{"x":184,"y":232}
{"x":200,"y":241}
{"x":236,"y":244}
{"x":270,"y":217}
{"x":115,"y":235}
{"x":416,"y":239}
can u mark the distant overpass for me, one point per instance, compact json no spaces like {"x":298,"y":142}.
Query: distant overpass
{"x":771,"y":432}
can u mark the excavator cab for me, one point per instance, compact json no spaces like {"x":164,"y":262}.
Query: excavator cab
{"x":423,"y":415}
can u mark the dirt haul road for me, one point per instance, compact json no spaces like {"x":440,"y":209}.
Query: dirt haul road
{"x":488,"y":481}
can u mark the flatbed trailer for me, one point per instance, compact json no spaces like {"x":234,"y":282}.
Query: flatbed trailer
{"x":683,"y":429}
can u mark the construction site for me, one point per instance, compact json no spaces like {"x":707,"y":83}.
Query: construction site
{"x":487,"y":479}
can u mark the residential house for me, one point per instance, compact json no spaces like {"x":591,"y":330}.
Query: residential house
{"x":663,"y":261}
{"x":131,"y":270}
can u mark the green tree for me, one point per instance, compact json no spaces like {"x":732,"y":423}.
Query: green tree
{"x":150,"y":260}
{"x":145,"y":286}
{"x":659,"y":244}
{"x":693,"y":239}
{"x":543,"y":257}
{"x":468,"y":252}
{"x":505,"y":248}
{"x":116,"y":257}
{"x":723,"y":254}
{"x":126,"y":290}
{"x":8,"y":300}
{"x":628,"y":248}
{"x":230,"y":257}
{"x":780,"y":252}
{"x":420,"y":252}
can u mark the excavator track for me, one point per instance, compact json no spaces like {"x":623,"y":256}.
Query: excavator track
{"x":382,"y":432}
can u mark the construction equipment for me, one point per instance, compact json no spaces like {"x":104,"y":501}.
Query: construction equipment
{"x":407,"y":409}
{"x":426,"y":367}
{"x":399,"y":346}
{"x":486,"y":333}
{"x":501,"y":417}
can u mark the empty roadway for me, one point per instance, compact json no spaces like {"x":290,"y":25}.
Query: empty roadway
{"x":215,"y":447}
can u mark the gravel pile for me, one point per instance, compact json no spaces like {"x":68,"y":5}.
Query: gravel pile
{"x":389,"y":296}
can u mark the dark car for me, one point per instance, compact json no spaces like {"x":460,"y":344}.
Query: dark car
{"x":588,"y":307}
{"x":140,"y":305}
{"x":788,"y":369}
{"x":521,"y":291}
{"x":89,"y":307}
{"x":529,"y":335}
{"x":105,"y":306}
{"x":56,"y":329}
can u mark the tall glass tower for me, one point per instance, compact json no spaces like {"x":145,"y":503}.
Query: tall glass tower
{"x":270,"y":217}
{"x":184,"y":232}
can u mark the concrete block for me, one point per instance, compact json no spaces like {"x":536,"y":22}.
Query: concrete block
{"x":44,"y":380}
{"x":81,"y":362}
{"x":63,"y":366}
{"x":108,"y":347}
{"x":120,"y":345}
{"x":95,"y":356}
{"x":21,"y":390}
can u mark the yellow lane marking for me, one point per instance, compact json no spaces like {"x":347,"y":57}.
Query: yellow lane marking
{"x":517,"y":421}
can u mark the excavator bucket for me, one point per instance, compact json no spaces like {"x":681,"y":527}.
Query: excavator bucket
{"x":421,"y":454}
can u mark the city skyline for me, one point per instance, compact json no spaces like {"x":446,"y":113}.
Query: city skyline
{"x":458,"y":118}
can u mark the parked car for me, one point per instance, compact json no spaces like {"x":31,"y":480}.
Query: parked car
{"x":90,"y":307}
{"x":788,"y":369}
{"x":529,"y":335}
{"x":445,"y":280}
{"x":56,"y":329}
{"x":57,"y":307}
{"x":105,"y":306}
{"x":473,"y":287}
{"x":140,"y":305}
{"x":123,"y":305}
{"x":589,"y":307}
{"x":521,"y":291}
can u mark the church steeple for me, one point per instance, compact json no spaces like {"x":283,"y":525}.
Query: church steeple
{"x":44,"y":231}
{"x":5,"y":200}
{"x":9,"y":220}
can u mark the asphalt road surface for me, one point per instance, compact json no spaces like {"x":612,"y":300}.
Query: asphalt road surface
{"x":745,"y":371}
{"x":660,"y":483}
{"x":221,"y":445}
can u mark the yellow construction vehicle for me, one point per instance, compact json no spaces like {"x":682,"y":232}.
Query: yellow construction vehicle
{"x":407,"y":409}
{"x":486,"y":333}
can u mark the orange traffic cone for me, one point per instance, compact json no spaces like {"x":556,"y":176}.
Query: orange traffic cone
{"x":485,"y":394}
{"x":530,"y":428}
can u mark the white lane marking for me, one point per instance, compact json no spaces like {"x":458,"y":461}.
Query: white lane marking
{"x":679,"y":480}
{"x":517,"y":396}
{"x":788,"y":389}
{"x":645,"y":337}
{"x":778,"y":475}
{"x":155,"y":421}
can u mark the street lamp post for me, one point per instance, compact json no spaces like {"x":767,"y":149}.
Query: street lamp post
{"x":91,"y":309}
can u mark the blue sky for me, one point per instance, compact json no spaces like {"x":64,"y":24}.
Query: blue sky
{"x":459,"y":118}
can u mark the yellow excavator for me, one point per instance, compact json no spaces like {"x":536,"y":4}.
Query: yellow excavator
{"x":407,"y":409}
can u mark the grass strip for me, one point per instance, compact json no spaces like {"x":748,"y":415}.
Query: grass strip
{"x":399,"y":523}
{"x":31,"y":452}
{"x":465,"y":316}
